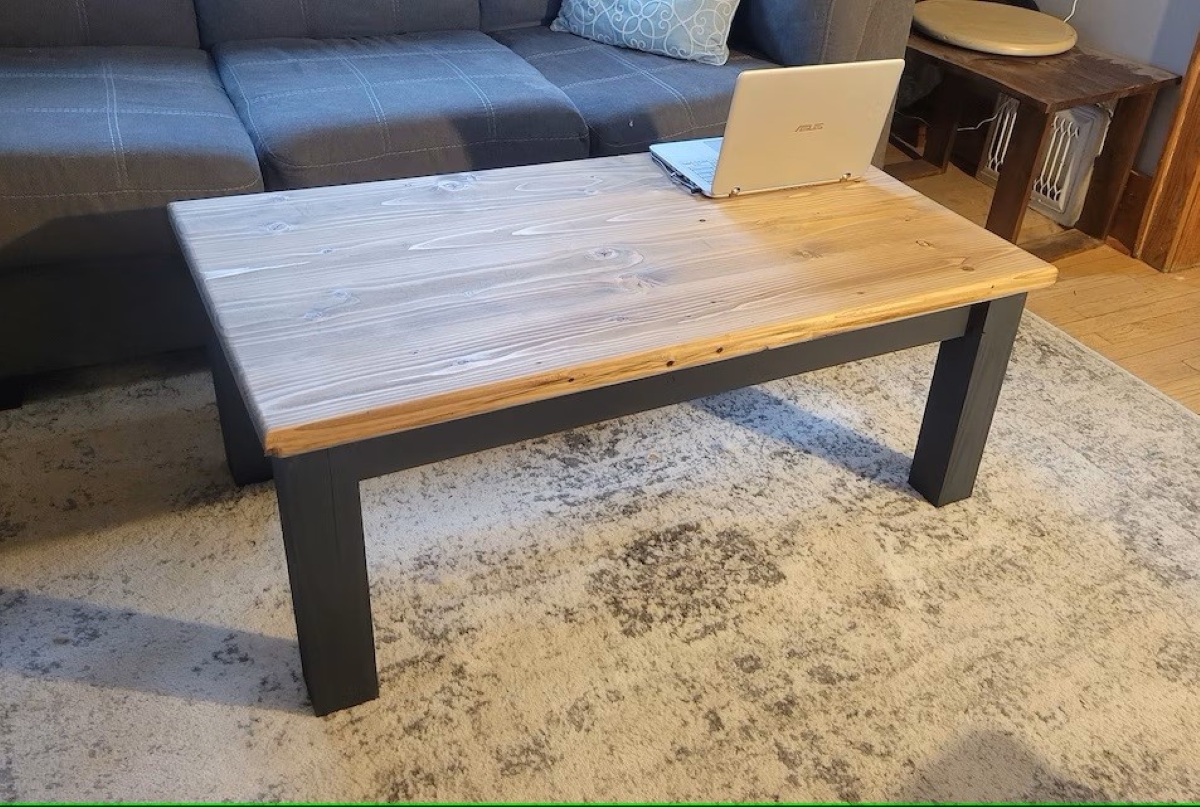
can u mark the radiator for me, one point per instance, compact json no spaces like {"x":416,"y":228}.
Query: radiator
{"x":1076,"y":138}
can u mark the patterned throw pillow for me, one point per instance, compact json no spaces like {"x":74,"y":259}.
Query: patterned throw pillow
{"x":684,"y":29}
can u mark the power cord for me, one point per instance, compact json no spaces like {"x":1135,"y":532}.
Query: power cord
{"x":1072,"y":14}
{"x":912,"y":117}
{"x":979,"y":125}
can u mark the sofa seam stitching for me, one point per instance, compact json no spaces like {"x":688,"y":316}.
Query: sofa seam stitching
{"x":260,"y":141}
{"x":678,"y":95}
{"x":376,"y":105}
{"x":114,"y":132}
{"x":362,"y":56}
{"x":492,"y":127}
{"x":249,"y":184}
{"x":85,"y":26}
{"x":304,"y":16}
{"x":133,"y":111}
{"x":115,"y":75}
{"x":310,"y":90}
{"x":447,"y":147}
{"x":828,"y":33}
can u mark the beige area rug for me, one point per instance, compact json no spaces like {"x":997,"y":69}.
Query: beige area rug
{"x":738,"y":598}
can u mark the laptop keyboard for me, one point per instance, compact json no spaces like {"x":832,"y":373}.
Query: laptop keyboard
{"x":702,"y":169}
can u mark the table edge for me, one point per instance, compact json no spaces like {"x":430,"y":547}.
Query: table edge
{"x":315,"y":435}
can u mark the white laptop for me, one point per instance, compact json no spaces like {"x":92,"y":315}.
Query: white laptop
{"x":788,"y":127}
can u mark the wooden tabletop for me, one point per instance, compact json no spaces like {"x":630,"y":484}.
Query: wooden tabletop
{"x":353,"y":311}
{"x":1049,"y":83}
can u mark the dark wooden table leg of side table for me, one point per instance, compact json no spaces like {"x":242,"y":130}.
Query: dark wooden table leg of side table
{"x":321,"y":514}
{"x":1111,"y":173}
{"x":962,"y":399}
{"x":947,"y":100}
{"x":1022,"y":160}
{"x":243,"y":449}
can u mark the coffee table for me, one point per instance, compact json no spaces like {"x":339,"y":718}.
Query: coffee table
{"x":364,"y":329}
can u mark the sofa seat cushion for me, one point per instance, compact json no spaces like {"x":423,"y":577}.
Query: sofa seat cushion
{"x":96,"y":140}
{"x":325,"y":112}
{"x":631,"y":99}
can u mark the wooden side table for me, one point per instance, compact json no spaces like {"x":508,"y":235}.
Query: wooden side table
{"x":1042,"y":86}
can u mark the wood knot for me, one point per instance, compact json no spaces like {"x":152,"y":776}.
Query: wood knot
{"x":341,"y":298}
{"x":452,"y":185}
{"x":638,"y":283}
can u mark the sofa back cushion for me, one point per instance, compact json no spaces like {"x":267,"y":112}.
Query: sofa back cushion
{"x":233,"y":20}
{"x":499,"y":15}
{"x":55,"y":23}
{"x":798,"y":32}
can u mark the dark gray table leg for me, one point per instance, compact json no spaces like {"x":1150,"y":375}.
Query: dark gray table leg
{"x":243,"y":449}
{"x":962,"y":399}
{"x":323,"y":535}
{"x":12,"y":392}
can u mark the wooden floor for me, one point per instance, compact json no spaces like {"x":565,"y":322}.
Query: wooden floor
{"x":1144,"y":320}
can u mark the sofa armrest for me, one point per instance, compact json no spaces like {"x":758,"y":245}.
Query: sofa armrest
{"x":796,"y":32}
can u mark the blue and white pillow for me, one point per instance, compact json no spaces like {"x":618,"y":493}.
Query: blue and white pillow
{"x":697,"y":30}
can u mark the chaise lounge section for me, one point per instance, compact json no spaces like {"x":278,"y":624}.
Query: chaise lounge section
{"x":109,"y":111}
{"x":113,"y":108}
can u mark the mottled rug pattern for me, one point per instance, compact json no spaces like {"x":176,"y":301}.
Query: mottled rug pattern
{"x":737,"y":598}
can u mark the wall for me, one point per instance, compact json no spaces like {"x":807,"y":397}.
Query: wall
{"x":1159,"y":32}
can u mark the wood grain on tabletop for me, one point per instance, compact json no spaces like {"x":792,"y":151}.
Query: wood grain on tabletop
{"x":358,"y":310}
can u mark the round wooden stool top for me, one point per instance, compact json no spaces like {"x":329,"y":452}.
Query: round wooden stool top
{"x":993,"y":27}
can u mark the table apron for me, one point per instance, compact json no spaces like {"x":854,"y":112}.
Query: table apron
{"x":390,"y":453}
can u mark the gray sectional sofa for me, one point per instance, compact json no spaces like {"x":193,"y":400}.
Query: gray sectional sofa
{"x":110,"y":109}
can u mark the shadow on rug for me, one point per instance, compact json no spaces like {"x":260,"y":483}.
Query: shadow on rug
{"x":738,"y":598}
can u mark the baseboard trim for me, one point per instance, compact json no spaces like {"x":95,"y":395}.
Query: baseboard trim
{"x":1131,"y":209}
